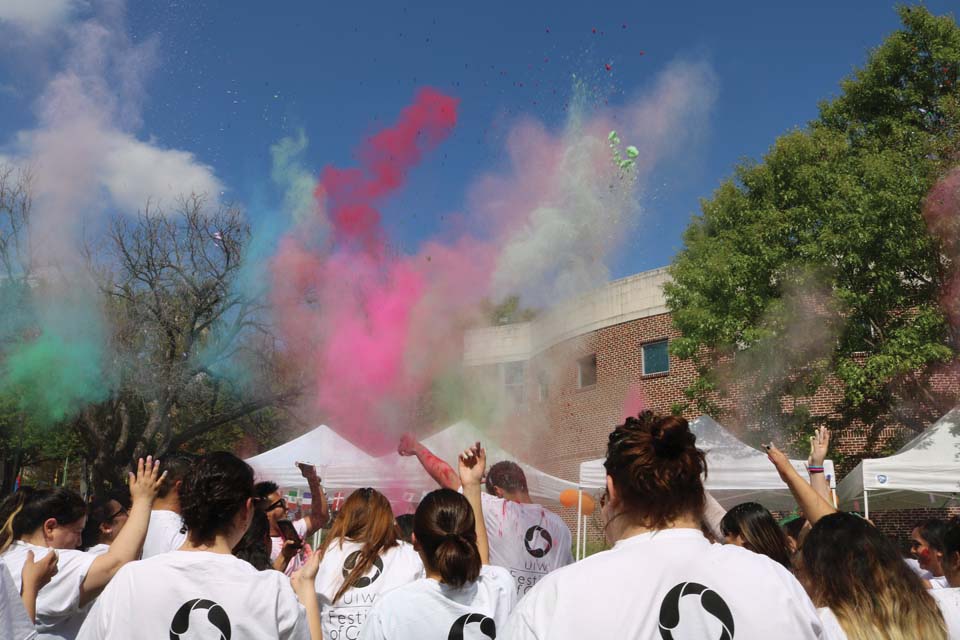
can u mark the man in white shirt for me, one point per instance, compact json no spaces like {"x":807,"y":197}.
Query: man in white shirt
{"x":166,"y":531}
{"x":525,"y":538}
{"x":275,"y":506}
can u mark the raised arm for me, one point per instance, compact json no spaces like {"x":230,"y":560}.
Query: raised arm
{"x":318,"y":517}
{"x":819,"y":445}
{"x":473,"y":464}
{"x":439,"y":470}
{"x":128,"y":543}
{"x":813,"y":505}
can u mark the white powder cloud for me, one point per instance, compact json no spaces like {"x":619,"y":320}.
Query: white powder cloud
{"x":37,"y":17}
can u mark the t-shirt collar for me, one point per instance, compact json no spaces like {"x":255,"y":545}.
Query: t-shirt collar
{"x":662,"y":534}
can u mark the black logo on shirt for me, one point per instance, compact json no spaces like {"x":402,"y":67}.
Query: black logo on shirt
{"x":362,"y":581}
{"x":215,"y":615}
{"x":487,"y":626}
{"x":533,"y":543}
{"x":710,"y":602}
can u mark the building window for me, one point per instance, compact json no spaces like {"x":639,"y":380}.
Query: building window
{"x":513,"y":381}
{"x":656,"y":357}
{"x":543,"y":386}
{"x":587,"y":371}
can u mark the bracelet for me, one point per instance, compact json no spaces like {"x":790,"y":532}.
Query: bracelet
{"x":814,"y":469}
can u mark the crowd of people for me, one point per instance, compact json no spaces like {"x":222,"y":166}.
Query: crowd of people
{"x":198,"y":549}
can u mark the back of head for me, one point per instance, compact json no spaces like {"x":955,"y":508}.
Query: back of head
{"x":951,"y":550}
{"x":933,"y":531}
{"x":850,"y":567}
{"x":25,"y":511}
{"x":657,"y":469}
{"x":366,"y":518}
{"x":507,"y":475}
{"x":177,"y":466}
{"x":255,"y":546}
{"x":405,"y":525}
{"x":214,"y":493}
{"x":759,"y":530}
{"x":263,"y":489}
{"x":99,"y":511}
{"x":445,"y":529}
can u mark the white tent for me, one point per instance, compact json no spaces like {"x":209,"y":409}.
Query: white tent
{"x":924,"y":473}
{"x":321,"y":447}
{"x":343,"y":466}
{"x":736,"y":472}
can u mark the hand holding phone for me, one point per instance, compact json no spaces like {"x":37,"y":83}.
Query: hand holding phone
{"x":289,"y":532}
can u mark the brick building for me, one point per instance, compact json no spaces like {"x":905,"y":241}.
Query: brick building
{"x":567,"y":376}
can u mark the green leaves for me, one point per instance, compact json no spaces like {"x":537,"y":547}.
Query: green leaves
{"x":827,"y":232}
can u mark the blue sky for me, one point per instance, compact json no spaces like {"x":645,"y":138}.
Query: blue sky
{"x":233,"y":77}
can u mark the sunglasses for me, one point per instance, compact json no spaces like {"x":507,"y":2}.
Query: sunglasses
{"x":279,"y":503}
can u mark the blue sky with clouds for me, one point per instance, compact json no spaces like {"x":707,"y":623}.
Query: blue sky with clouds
{"x":197,"y":91}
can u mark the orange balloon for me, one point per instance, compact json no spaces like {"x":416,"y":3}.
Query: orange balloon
{"x":568,"y":497}
{"x":588,"y":505}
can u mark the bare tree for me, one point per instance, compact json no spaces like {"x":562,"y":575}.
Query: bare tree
{"x":191,"y":350}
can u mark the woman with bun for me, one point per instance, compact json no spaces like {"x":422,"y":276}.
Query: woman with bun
{"x":201,"y":589}
{"x":461,"y":588}
{"x":663,"y":578}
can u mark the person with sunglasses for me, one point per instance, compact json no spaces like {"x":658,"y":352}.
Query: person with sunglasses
{"x":105,"y":518}
{"x":166,"y":531}
{"x":284,"y":555}
{"x":663,"y":578}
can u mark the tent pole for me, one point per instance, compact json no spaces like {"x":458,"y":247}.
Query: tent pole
{"x":579,"y":517}
{"x":866,"y":504}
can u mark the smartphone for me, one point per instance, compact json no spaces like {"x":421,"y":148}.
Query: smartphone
{"x":289,"y":532}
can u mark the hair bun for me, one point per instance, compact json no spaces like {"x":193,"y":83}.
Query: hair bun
{"x":671,"y":437}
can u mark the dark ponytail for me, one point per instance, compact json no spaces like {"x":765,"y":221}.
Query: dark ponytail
{"x":214,"y":493}
{"x":657,"y":469}
{"x":26,"y":510}
{"x":446,"y":531}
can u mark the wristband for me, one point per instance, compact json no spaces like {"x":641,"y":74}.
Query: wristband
{"x":814,"y":469}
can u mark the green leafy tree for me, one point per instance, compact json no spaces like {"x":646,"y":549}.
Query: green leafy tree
{"x":815,"y":267}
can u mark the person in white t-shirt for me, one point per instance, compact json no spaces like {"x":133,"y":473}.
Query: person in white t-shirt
{"x":662,"y":578}
{"x":166,"y":531}
{"x":861,"y":586}
{"x":926,"y":545}
{"x":363,"y":557}
{"x":461,"y":591}
{"x":285,"y":556}
{"x":526,"y":538}
{"x":18,"y":607}
{"x":41,"y":520}
{"x":105,"y":520}
{"x":949,"y":598}
{"x":201,"y":590}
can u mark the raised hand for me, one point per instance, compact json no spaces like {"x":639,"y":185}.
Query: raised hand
{"x":780,"y":461}
{"x":819,"y":445}
{"x":473,"y":464}
{"x":408,"y":445}
{"x":145,"y":484}
{"x":308,"y":471}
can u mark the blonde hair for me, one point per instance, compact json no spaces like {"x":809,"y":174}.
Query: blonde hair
{"x":851,"y":568}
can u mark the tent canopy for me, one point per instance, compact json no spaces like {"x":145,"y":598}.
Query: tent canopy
{"x":924,"y":473}
{"x":343,"y":466}
{"x":321,"y":447}
{"x":736,"y":472}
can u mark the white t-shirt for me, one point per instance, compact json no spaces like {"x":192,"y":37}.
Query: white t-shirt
{"x":917,"y":569}
{"x":99,"y":549}
{"x":429,"y":610}
{"x":58,"y":604}
{"x":163,"y":534}
{"x":528,"y":540}
{"x":672,"y":582}
{"x":343,"y":620}
{"x":949,"y":602}
{"x":939,"y":582}
{"x":296,"y":561}
{"x":196,"y":594}
{"x":14,"y":621}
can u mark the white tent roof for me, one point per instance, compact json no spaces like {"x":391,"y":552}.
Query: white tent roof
{"x":343,"y":466}
{"x":321,"y":447}
{"x":924,"y":473}
{"x":736,"y":472}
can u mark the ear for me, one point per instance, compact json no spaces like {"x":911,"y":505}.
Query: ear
{"x":614,"y":497}
{"x":48,"y":526}
{"x":498,"y":491}
{"x":413,"y":539}
{"x":177,"y":485}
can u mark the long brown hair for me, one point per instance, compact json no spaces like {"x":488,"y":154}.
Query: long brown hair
{"x":759,"y":530}
{"x":446,"y":531}
{"x":850,"y":567}
{"x":366,"y":518}
{"x":657,"y":469}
